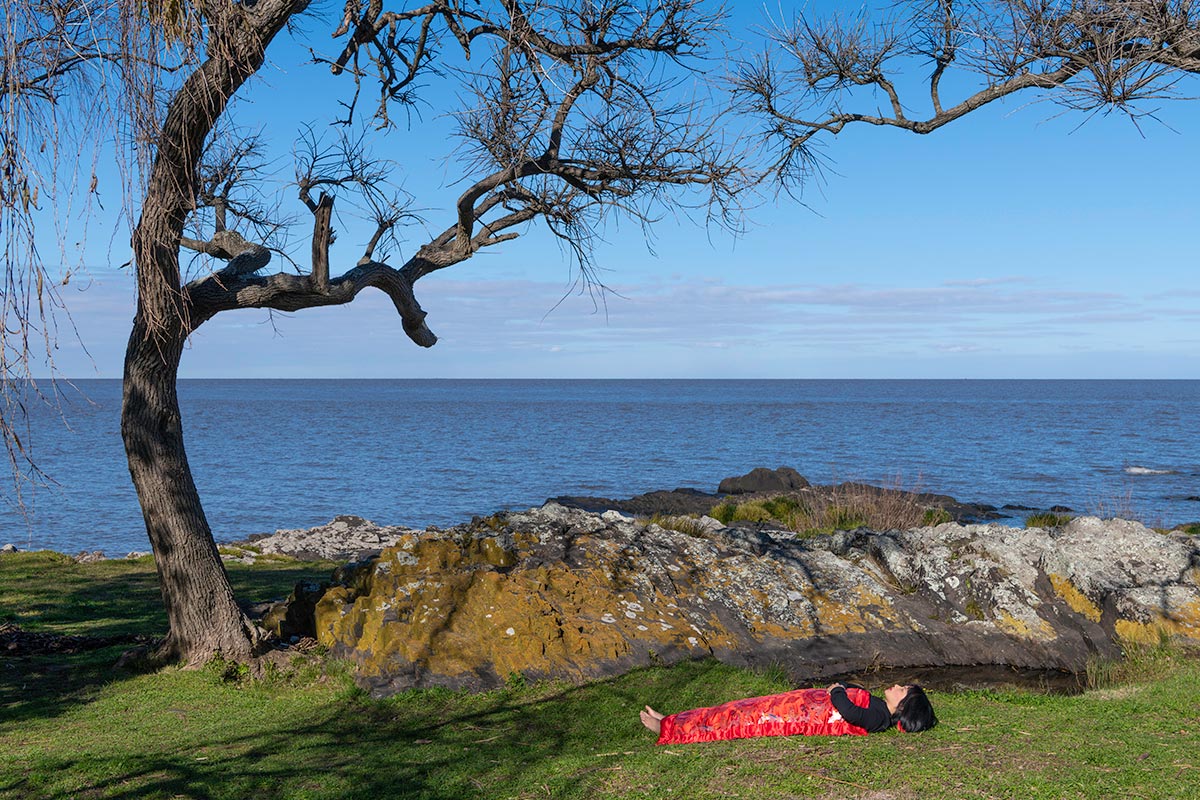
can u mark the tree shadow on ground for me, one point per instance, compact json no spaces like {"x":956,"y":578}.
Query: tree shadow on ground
{"x":49,"y":593}
{"x":421,"y":745}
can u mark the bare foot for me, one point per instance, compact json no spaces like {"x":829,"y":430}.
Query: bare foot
{"x":652,"y":719}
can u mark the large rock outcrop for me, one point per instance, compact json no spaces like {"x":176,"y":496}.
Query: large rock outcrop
{"x":761,"y":479}
{"x":558,"y":592}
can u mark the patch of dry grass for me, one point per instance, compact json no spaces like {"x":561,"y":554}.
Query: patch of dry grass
{"x":843,"y":507}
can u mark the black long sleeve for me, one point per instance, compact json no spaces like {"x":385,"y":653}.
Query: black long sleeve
{"x":874,"y":718}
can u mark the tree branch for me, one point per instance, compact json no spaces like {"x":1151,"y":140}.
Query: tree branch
{"x":1085,"y":56}
{"x":219,"y":292}
{"x":321,"y":239}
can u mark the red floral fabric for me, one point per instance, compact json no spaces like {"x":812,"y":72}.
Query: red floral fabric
{"x":806,"y":712}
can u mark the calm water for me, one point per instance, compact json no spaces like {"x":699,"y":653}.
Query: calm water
{"x":286,"y":454}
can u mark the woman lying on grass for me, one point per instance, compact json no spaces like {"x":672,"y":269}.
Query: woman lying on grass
{"x":838,"y":710}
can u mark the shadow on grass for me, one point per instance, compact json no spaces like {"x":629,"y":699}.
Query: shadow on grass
{"x":420,"y":745}
{"x":46,"y":592}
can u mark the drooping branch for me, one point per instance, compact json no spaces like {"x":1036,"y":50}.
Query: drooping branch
{"x":63,"y":71}
{"x":568,"y":141}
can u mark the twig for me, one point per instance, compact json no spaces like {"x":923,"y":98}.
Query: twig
{"x":827,"y":778}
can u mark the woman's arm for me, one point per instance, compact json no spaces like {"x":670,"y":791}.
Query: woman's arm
{"x":873,"y":718}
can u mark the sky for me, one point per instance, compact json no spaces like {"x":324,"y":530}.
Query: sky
{"x":1017,"y":242}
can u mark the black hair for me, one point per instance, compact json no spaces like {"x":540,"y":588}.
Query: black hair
{"x":915,"y":713}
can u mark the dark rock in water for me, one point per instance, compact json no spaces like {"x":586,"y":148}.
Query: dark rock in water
{"x":1061,"y":509}
{"x":562,"y":593}
{"x":676,"y":502}
{"x":1016,"y":507}
{"x":693,"y":502}
{"x":761,"y":479}
{"x":969,"y":512}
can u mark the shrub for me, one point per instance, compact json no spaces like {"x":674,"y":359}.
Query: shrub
{"x":784,"y":507}
{"x":681,"y":524}
{"x":1141,"y":662}
{"x":1047,"y":520}
{"x":935,"y":516}
{"x":843,"y":507}
{"x":1117,"y":506}
{"x":845,"y":517}
{"x":751,"y":512}
{"x":723,"y":513}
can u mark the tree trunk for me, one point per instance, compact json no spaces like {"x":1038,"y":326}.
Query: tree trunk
{"x":204,"y":617}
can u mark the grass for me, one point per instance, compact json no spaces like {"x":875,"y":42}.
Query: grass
{"x":679,"y":523}
{"x":1140,"y":662}
{"x":1047,"y":519}
{"x":88,"y":732}
{"x":1115,"y":505}
{"x":49,"y":591}
{"x":843,"y":507}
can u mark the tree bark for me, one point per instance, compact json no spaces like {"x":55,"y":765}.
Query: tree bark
{"x":204,"y":616}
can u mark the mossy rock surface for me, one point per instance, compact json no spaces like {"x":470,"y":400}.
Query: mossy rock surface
{"x":564,"y":593}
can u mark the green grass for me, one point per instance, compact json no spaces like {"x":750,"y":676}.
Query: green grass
{"x":88,"y":732}
{"x":1047,"y":520}
{"x":935,"y":516}
{"x":46,"y":591}
{"x":678,"y":523}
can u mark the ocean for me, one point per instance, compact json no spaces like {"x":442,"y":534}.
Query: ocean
{"x":274,"y":454}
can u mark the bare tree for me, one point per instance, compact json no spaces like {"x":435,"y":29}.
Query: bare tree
{"x":573,"y":111}
{"x":820,"y":75}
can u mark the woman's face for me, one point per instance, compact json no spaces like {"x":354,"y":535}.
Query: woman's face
{"x":893,"y":695}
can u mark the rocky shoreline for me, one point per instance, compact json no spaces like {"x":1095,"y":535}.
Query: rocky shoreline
{"x":584,"y":588}
{"x":563,"y":593}
{"x":349,"y":538}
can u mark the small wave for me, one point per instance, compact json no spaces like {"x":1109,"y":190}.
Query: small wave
{"x":1149,"y":471}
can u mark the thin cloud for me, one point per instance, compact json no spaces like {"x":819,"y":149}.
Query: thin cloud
{"x":488,"y":326}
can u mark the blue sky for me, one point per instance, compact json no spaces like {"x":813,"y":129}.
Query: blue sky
{"x":1013,"y":243}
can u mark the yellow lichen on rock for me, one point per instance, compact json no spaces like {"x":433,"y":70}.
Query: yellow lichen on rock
{"x":1074,"y":598}
{"x":568,"y":594}
{"x":1013,"y":626}
{"x":851,"y":610}
{"x":1183,"y":622}
{"x":447,"y":609}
